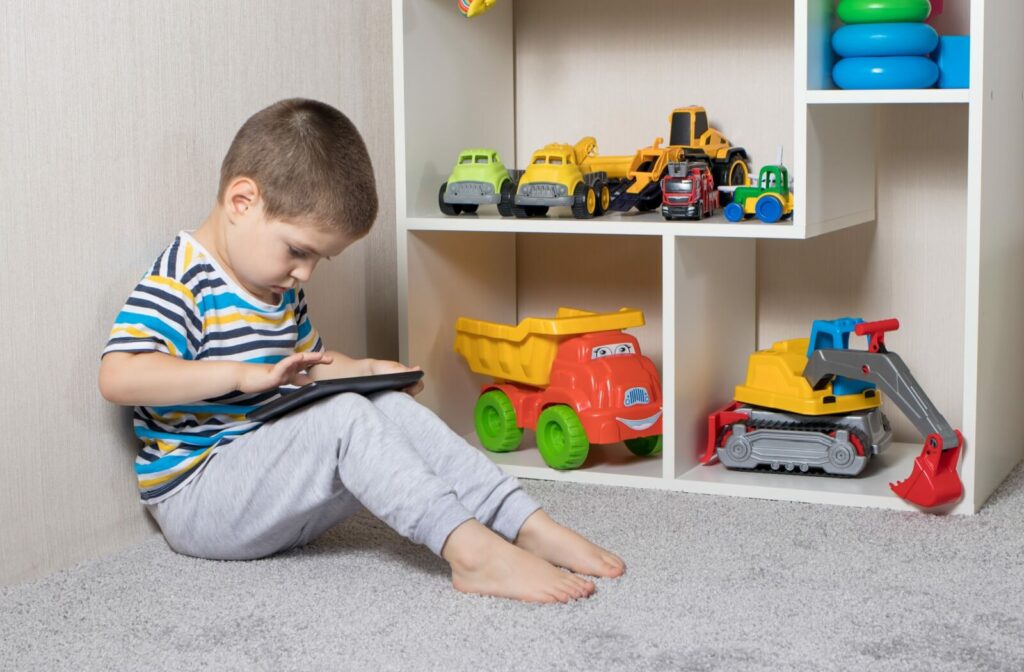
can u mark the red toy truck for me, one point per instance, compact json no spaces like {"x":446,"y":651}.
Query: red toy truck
{"x":574,"y":379}
{"x":688,"y":191}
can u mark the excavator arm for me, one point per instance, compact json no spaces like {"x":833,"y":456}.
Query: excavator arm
{"x":934,"y":480}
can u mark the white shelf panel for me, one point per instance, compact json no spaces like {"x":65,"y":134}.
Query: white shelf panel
{"x":871,"y":96}
{"x":869,"y":489}
{"x":607,"y":464}
{"x":646,"y":224}
{"x":615,"y":465}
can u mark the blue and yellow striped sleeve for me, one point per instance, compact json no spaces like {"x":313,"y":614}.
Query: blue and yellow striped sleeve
{"x":160,"y":315}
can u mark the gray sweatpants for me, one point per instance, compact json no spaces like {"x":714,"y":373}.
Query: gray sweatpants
{"x":291,"y":480}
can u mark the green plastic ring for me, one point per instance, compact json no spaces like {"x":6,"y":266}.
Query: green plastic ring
{"x":883,"y":11}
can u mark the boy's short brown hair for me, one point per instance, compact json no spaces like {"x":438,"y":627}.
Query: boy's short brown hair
{"x":309,"y":162}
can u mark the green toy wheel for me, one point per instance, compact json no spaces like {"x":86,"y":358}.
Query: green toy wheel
{"x":883,"y":11}
{"x":645,"y":446}
{"x":495,"y":420}
{"x":561,"y":439}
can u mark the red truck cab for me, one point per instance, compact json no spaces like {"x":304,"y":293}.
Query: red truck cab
{"x":688,"y":192}
{"x":613,"y":389}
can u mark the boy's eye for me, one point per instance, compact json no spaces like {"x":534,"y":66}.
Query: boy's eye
{"x":296,"y":252}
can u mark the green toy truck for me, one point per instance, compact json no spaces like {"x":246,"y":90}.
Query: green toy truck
{"x":479,"y":178}
{"x":771,"y":200}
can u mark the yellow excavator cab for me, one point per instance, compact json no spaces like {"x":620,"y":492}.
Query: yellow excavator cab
{"x":775,"y":380}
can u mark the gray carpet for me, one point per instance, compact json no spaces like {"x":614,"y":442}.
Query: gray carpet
{"x":713,"y":584}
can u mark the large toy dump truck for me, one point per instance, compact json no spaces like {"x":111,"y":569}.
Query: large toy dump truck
{"x":574,"y":379}
{"x":812,"y":405}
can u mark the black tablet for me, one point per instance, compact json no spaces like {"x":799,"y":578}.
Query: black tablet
{"x":319,"y":389}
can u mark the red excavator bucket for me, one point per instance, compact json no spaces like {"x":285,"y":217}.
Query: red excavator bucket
{"x":934,"y":480}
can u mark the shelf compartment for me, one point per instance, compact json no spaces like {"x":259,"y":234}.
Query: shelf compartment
{"x":506,"y":277}
{"x":817,"y":20}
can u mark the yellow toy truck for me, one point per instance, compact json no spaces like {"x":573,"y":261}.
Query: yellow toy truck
{"x":560,"y":175}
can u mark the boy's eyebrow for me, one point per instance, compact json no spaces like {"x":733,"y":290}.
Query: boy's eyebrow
{"x":309,"y":248}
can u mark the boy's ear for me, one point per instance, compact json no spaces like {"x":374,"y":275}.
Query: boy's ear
{"x":241,"y":195}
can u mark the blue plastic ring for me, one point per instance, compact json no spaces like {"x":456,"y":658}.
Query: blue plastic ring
{"x":885,"y":72}
{"x":885,"y":39}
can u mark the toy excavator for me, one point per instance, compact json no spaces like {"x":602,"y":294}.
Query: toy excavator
{"x":813,"y":404}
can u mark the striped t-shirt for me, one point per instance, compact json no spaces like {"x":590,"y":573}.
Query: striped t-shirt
{"x":188,"y":307}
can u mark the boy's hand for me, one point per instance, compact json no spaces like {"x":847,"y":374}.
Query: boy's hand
{"x":289,"y":371}
{"x":381,"y":366}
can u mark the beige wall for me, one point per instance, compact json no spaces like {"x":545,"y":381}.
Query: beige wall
{"x":114,"y":117}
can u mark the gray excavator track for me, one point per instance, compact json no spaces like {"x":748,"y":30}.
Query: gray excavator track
{"x":824,"y":444}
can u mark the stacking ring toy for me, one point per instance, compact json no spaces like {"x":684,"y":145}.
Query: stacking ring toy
{"x":885,"y":39}
{"x":883,"y":11}
{"x":885,"y":72}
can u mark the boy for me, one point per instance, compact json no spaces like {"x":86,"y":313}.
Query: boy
{"x":220,"y":323}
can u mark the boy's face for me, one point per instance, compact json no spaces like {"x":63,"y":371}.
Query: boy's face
{"x":270,"y":256}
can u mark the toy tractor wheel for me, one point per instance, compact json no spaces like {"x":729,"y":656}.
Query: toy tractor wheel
{"x":495,"y":420}
{"x":469,"y":208}
{"x":561,"y":439}
{"x":508,"y":194}
{"x":446,"y":208}
{"x":768,"y":209}
{"x":645,"y":446}
{"x":734,"y":212}
{"x":536,"y":210}
{"x":584,"y":201}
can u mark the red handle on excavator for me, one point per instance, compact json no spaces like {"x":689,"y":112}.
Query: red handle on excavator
{"x":876,"y":332}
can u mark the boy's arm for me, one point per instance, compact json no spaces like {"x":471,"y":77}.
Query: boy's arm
{"x":344,"y":366}
{"x":158,"y":379}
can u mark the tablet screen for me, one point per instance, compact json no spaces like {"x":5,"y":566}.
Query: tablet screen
{"x":319,"y":389}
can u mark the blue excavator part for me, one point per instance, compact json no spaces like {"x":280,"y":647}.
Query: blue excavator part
{"x":835,"y":335}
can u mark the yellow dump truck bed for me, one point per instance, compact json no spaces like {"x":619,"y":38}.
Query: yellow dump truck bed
{"x":523,"y":353}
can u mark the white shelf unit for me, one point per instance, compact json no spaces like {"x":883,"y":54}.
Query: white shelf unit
{"x":530,"y":72}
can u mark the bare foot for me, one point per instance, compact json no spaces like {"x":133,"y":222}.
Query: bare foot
{"x":485,"y":564}
{"x":561,"y":546}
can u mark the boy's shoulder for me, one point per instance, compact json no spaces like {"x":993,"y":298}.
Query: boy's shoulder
{"x":184,"y":261}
